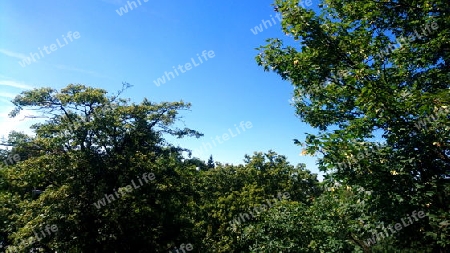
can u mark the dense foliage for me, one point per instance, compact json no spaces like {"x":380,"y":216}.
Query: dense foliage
{"x":99,"y":176}
{"x":75,"y":171}
{"x":372,"y":76}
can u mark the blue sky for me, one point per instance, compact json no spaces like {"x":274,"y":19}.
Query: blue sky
{"x":95,"y":46}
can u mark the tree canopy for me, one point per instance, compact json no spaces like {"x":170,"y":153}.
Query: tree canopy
{"x":98,"y":174}
{"x":372,"y":76}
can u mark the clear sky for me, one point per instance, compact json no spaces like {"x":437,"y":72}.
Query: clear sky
{"x":98,"y":44}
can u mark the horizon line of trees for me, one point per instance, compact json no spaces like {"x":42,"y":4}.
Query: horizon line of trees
{"x":93,"y":143}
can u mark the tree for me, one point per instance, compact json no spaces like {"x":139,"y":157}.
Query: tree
{"x":354,"y":82}
{"x":196,"y":162}
{"x":101,"y":172}
{"x":211,"y":164}
{"x":109,"y":180}
{"x":230,"y":192}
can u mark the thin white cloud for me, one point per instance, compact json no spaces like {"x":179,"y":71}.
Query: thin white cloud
{"x":7,"y":95}
{"x":18,"y":123}
{"x":75,"y":69}
{"x":5,"y":101}
{"x":115,"y":2}
{"x":64,"y":67}
{"x":15,"y":84}
{"x":12,"y":54}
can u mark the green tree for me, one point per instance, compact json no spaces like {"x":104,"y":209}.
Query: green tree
{"x":200,"y":164}
{"x":362,"y":69}
{"x":229,"y":192}
{"x":91,"y":146}
{"x":211,"y":164}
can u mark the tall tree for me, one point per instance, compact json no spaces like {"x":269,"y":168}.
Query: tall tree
{"x":211,"y":164}
{"x":109,"y":180}
{"x":230,"y":192}
{"x":368,"y":70}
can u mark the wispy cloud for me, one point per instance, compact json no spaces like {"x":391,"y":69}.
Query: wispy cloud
{"x":7,"y":95}
{"x":64,"y":67}
{"x":15,"y":84}
{"x":115,"y":2}
{"x":4,"y":101}
{"x":12,"y":54}
{"x":69,"y":68}
{"x":15,"y":124}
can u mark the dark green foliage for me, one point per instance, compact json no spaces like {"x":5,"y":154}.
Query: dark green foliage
{"x":352,"y":89}
{"x":211,"y":164}
{"x":382,"y":116}
{"x":90,"y":147}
